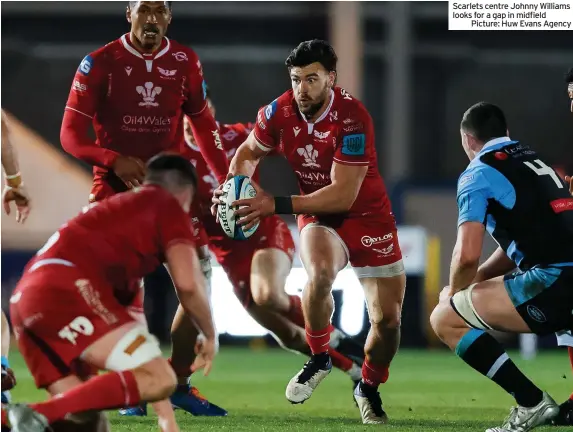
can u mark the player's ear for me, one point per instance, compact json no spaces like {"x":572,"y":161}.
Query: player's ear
{"x":128,"y":14}
{"x":331,"y":79}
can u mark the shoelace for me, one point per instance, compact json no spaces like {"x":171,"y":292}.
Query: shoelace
{"x":310,"y":368}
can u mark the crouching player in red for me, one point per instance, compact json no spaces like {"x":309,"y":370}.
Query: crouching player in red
{"x":343,"y":213}
{"x":67,"y":313}
{"x":258,"y":268}
{"x":133,"y":93}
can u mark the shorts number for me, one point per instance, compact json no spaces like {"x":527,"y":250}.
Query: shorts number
{"x":543,"y":169}
{"x":80,"y":325}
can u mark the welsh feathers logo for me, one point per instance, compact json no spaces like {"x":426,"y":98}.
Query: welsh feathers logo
{"x":148,"y":91}
{"x":309,"y":154}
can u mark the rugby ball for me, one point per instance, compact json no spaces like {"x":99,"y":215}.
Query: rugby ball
{"x":238,"y":187}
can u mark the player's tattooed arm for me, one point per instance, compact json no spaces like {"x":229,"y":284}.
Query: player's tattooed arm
{"x":466,"y":255}
{"x":498,"y":264}
{"x":338,"y":197}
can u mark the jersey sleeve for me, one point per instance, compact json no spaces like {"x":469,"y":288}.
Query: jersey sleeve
{"x":88,"y":85}
{"x":264,"y":129}
{"x":355,"y":144}
{"x":174,"y":225}
{"x":196,"y":87}
{"x":473,"y":193}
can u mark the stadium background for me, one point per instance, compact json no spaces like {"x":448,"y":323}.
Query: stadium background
{"x":414,"y":76}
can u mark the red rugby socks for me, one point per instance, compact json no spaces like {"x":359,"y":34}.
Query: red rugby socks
{"x":373,"y":375}
{"x":318,"y":340}
{"x":104,"y":392}
{"x":339,"y":361}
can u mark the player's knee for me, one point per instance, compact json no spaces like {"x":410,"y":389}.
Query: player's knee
{"x":158,"y":379}
{"x":321,"y":277}
{"x":262,"y":292}
{"x":438,"y":320}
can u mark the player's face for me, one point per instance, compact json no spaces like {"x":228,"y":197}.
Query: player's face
{"x":570,"y":92}
{"x":311,"y":85}
{"x":149,"y":21}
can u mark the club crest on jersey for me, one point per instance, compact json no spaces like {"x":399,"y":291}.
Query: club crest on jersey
{"x":270,"y":109}
{"x":180,"y":56}
{"x":86,"y":65}
{"x":354,"y":145}
{"x":321,"y":135}
{"x":167,"y":73}
{"x":309,"y":153}
{"x":148,"y":92}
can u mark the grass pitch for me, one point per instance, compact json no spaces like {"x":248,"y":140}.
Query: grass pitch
{"x":427,"y":391}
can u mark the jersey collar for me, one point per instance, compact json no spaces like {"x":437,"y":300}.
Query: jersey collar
{"x":126,"y":42}
{"x":496,"y":142}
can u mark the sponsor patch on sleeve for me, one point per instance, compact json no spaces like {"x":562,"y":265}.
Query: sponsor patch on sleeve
{"x":354,"y":145}
{"x":270,"y":109}
{"x":465,"y":179}
{"x":86,"y":65}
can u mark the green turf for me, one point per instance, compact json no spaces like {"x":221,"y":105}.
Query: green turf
{"x":427,"y":391}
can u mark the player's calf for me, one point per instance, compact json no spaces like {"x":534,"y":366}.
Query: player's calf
{"x":484,"y":354}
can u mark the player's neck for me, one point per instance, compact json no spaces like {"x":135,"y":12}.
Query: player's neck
{"x":322,"y":109}
{"x":137,"y":45}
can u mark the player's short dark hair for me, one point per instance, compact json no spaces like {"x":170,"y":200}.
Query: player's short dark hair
{"x":171,"y":171}
{"x":569,"y":76}
{"x":313,"y":51}
{"x":485,"y":121}
{"x":132,"y":4}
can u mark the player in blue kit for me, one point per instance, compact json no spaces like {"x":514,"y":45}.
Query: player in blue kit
{"x":508,"y":190}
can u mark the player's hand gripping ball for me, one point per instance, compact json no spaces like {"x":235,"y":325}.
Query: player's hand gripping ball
{"x":238,"y":187}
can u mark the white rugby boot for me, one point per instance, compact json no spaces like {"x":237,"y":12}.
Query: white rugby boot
{"x":370,"y":404}
{"x":301,"y":386}
{"x":522,"y":419}
{"x":24,"y":419}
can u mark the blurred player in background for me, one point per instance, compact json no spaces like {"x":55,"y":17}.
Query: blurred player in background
{"x":258,"y":267}
{"x":69,"y":308}
{"x":344,"y":214}
{"x":527,"y":208}
{"x":565,"y":338}
{"x":14,"y":191}
{"x":135,"y":91}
